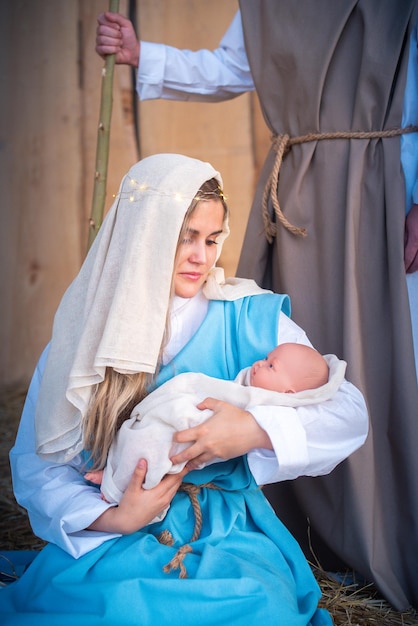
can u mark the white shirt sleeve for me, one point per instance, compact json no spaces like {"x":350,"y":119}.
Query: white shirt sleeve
{"x":308,"y":440}
{"x":202,"y":75}
{"x":60,"y":503}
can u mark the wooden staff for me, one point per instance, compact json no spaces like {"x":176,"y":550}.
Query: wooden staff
{"x":103,"y":135}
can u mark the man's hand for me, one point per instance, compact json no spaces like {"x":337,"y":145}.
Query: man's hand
{"x":116,"y":35}
{"x":411,"y":240}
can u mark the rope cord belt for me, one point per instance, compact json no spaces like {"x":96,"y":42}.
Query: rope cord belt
{"x":281,"y":145}
{"x":166,"y":538}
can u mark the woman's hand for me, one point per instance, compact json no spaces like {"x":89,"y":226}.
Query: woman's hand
{"x":139,"y":506}
{"x":116,"y":35}
{"x":228,"y":433}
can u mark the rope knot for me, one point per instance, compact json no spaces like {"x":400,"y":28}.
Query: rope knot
{"x":177,"y":561}
{"x":166,"y":538}
{"x":282,"y":144}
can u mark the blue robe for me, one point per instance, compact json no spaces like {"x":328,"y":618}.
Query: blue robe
{"x":244,"y":567}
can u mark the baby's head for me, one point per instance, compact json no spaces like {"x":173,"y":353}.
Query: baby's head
{"x":289,"y":368}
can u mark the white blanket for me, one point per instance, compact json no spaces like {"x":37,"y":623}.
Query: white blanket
{"x":148,"y":433}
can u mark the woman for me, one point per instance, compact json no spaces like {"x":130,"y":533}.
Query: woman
{"x":137,"y":314}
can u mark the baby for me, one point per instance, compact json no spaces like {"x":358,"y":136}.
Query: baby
{"x":289,"y":368}
{"x":291,"y":375}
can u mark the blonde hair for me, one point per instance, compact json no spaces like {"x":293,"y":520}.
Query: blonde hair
{"x":114,"y":398}
{"x":210,"y":190}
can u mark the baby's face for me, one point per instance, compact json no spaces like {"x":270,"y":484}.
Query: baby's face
{"x":271,"y":373}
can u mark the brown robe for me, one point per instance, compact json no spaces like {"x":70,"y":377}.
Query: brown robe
{"x":325,"y":66}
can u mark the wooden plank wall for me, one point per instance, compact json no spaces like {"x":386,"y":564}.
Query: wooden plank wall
{"x":49,"y":105}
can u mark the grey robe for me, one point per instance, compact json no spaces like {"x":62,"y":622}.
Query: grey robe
{"x":326,"y":66}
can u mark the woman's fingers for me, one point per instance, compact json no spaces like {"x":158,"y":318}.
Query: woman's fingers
{"x":138,"y":476}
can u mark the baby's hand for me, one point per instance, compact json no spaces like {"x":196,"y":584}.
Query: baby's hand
{"x":94,"y":477}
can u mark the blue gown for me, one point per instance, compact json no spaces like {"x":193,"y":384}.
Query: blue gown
{"x":244,"y":566}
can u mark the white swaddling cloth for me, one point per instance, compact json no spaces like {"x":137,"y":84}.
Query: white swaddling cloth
{"x":148,"y":433}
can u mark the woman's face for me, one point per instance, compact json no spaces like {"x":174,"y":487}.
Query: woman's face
{"x":197,"y":252}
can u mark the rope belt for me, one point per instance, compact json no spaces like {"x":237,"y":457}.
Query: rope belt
{"x":282,"y":144}
{"x":166,"y":538}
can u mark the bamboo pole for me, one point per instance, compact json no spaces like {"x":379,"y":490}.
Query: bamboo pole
{"x":103,"y":136}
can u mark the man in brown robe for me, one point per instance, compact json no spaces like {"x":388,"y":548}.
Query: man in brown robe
{"x":346,"y":278}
